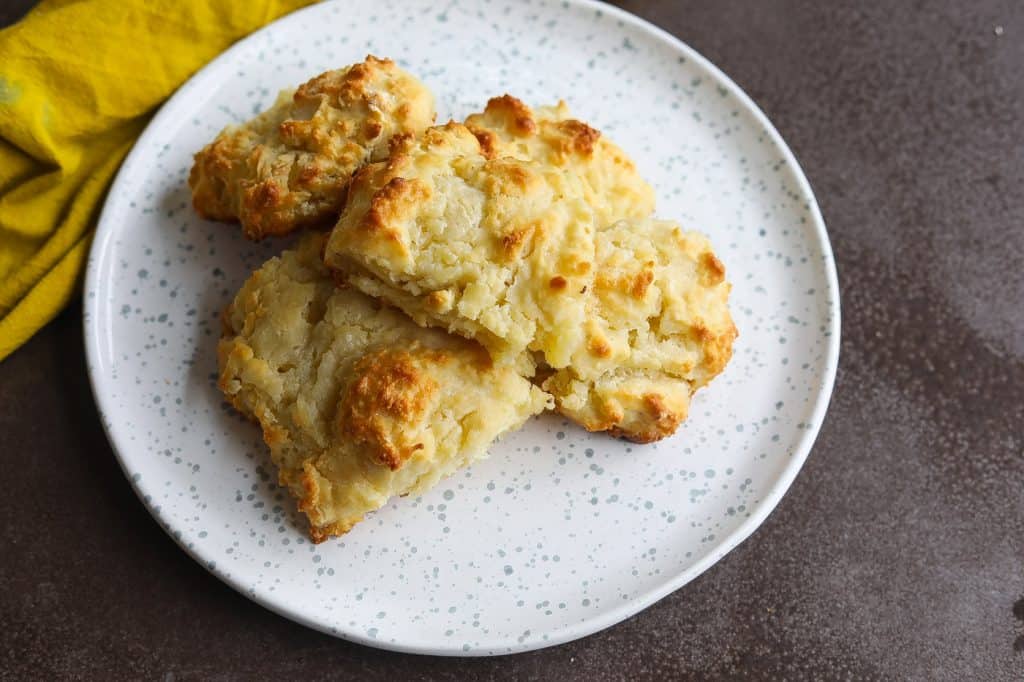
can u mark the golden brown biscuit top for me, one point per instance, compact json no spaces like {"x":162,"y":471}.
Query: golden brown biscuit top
{"x":390,"y":389}
{"x":289,"y":167}
{"x":611,"y":183}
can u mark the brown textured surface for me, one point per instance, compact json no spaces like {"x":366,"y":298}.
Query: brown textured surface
{"x":899,"y":551}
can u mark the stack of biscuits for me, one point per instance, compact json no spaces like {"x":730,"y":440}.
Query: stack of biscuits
{"x":452,"y":281}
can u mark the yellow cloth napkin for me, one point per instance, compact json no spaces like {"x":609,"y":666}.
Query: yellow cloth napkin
{"x":78,"y":81}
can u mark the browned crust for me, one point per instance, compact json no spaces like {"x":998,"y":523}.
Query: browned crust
{"x":599,"y":347}
{"x":634,"y":285}
{"x":274,"y":435}
{"x":662,"y":422}
{"x":215,"y":162}
{"x":609,"y":416}
{"x":717,"y":347}
{"x":351,"y":85}
{"x":581,"y":138}
{"x":570,"y":136}
{"x":666,"y":421}
{"x":712,"y":271}
{"x":515,"y":111}
{"x":389,"y":390}
{"x":275,"y":176}
{"x":638,"y":288}
{"x":399,"y":142}
{"x":488,"y":141}
{"x":389,"y":203}
{"x":371,"y":129}
{"x":264,"y":196}
{"x":435,"y":300}
{"x":325,"y":532}
{"x":512,"y":243}
{"x":508,"y":176}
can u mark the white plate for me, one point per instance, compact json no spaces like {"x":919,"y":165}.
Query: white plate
{"x":560,"y":533}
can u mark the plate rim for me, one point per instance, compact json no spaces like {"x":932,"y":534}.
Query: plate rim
{"x":92,"y":331}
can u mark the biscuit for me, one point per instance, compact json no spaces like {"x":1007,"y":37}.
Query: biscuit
{"x":495,"y":249}
{"x":609,"y":180}
{"x":357,"y":403}
{"x":290,"y":166}
{"x":657,"y":328}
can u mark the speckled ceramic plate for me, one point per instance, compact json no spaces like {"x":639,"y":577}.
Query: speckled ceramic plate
{"x":559,"y":533}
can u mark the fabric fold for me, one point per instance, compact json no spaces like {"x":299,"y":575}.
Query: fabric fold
{"x":79,"y":80}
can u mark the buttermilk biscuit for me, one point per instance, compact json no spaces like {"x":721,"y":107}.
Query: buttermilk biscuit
{"x":609,"y":181}
{"x":357,"y":403}
{"x":657,"y":328}
{"x":496,"y":249}
{"x":289,"y":166}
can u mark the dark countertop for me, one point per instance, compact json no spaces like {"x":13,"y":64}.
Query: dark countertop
{"x":898,"y":552}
